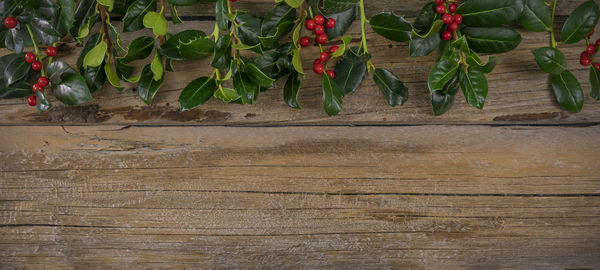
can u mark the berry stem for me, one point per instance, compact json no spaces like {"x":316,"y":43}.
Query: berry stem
{"x":36,"y":48}
{"x":363,"y":22}
{"x":552,"y":24}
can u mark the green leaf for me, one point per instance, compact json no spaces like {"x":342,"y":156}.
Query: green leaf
{"x":157,"y":22}
{"x":16,"y":70}
{"x":66,"y":18}
{"x":85,"y":29}
{"x":197,"y":93}
{"x":89,"y":45}
{"x":595,"y":83}
{"x":112,"y":76}
{"x":475,"y":63}
{"x":350,"y":70}
{"x":276,"y":16}
{"x":107,"y":3}
{"x":474,"y":86}
{"x":58,"y":70}
{"x":139,"y":48}
{"x":95,"y":56}
{"x":332,"y":97}
{"x":392,"y":88}
{"x":44,"y":31}
{"x":221,"y":14}
{"x":567,"y":91}
{"x":335,"y":6}
{"x":492,"y":39}
{"x":426,"y":17}
{"x":293,"y":3}
{"x":174,"y":14}
{"x":550,"y":60}
{"x":42,"y":102}
{"x":292,"y":89}
{"x":424,"y":46}
{"x":115,"y":38}
{"x":17,"y":90}
{"x":14,"y":40}
{"x":95,"y":77}
{"x":227,"y":95}
{"x":257,"y":75}
{"x":73,"y":90}
{"x":341,"y":50}
{"x":297,"y":61}
{"x":197,"y":48}
{"x":148,"y":87}
{"x":222,"y":54}
{"x":84,"y":11}
{"x":170,"y":48}
{"x":245,"y":88}
{"x":157,"y":67}
{"x":391,"y":26}
{"x":134,"y":18}
{"x":442,"y":72}
{"x":343,"y":21}
{"x":443,"y":100}
{"x":535,"y":16}
{"x":490,"y":12}
{"x":580,"y":23}
{"x":281,"y":29}
{"x":249,"y":28}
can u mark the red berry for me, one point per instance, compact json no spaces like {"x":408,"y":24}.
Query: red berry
{"x":319,"y":29}
{"x":330,"y":23}
{"x":233,"y":1}
{"x":36,"y":65}
{"x":458,"y":18}
{"x":333,"y":48}
{"x":591,"y":33}
{"x":447,"y":18}
{"x":331,"y":73}
{"x":309,"y":24}
{"x":585,"y":61}
{"x":32,"y":100}
{"x":318,"y":68}
{"x":598,"y":42}
{"x":43,"y":81}
{"x":452,"y":8}
{"x":29,"y":57}
{"x":304,"y":41}
{"x":324,"y":56}
{"x":446,"y":35}
{"x":439,"y":2}
{"x":597,"y":65}
{"x":51,"y":51}
{"x":319,"y":19}
{"x":317,"y":61}
{"x":453,"y":26}
{"x":584,"y":54}
{"x":440,"y":9}
{"x":37,"y":87}
{"x":321,"y":39}
{"x":10,"y":22}
{"x":591,"y":49}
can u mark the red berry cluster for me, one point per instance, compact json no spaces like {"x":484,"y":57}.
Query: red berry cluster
{"x":319,"y":63}
{"x":317,"y":25}
{"x":590,"y":51}
{"x":449,"y":18}
{"x":36,"y":65}
{"x":10,"y":22}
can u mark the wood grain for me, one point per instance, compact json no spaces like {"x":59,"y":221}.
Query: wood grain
{"x":519,"y":93}
{"x":420,"y":197}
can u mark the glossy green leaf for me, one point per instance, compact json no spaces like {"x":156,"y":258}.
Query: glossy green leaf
{"x":134,"y":18}
{"x":85,"y":29}
{"x":66,"y":18}
{"x":297,"y":61}
{"x":17,"y":90}
{"x":107,"y":3}
{"x":424,"y":46}
{"x":89,"y":45}
{"x":84,"y":10}
{"x":393,"y":89}
{"x":197,"y":93}
{"x":550,"y":60}
{"x":16,"y":70}
{"x":492,"y":39}
{"x":226,"y":94}
{"x":157,"y":66}
{"x":281,"y":29}
{"x":147,"y":86}
{"x":350,"y":71}
{"x":139,"y":48}
{"x":332,"y":97}
{"x":335,"y":6}
{"x":115,"y":38}
{"x":595,"y":83}
{"x":442,"y":72}
{"x":249,"y":28}
{"x":170,"y":48}
{"x":580,"y":23}
{"x":58,"y":70}
{"x":157,"y":22}
{"x":245,"y":88}
{"x":391,"y":26}
{"x":222,"y":53}
{"x":426,"y":17}
{"x":95,"y":56}
{"x":221,"y":14}
{"x":174,"y":14}
{"x":342,"y":49}
{"x":95,"y":77}
{"x":343,"y":21}
{"x":292,"y":89}
{"x":567,"y":91}
{"x":73,"y":90}
{"x":474,"y":86}
{"x":276,"y":16}
{"x":490,"y":12}
{"x":112,"y":76}
{"x":443,"y":100}
{"x":257,"y":75}
{"x":43,"y":104}
{"x":197,"y":48}
{"x":475,"y":63}
{"x":536,"y":16}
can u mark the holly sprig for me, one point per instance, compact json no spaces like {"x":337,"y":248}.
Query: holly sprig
{"x":539,"y":16}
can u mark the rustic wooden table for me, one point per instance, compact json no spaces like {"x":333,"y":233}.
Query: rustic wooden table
{"x":116,"y":183}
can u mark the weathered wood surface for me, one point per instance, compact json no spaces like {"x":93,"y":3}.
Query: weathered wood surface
{"x":519,"y":92}
{"x":421,"y":197}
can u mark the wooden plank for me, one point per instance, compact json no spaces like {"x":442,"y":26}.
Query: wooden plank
{"x":415,"y":197}
{"x":519,"y":93}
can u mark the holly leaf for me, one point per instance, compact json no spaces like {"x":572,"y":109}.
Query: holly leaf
{"x":550,"y":60}
{"x":84,"y":11}
{"x":148,"y":87}
{"x":580,"y":23}
{"x":42,"y":102}
{"x":95,"y":56}
{"x":335,"y":6}
{"x":442,"y":72}
{"x":249,"y":28}
{"x":490,"y":12}
{"x":292,"y":89}
{"x":393,"y":89}
{"x":332,"y":97}
{"x":66,"y":18}
{"x":391,"y":26}
{"x":492,"y":39}
{"x":443,"y":100}
{"x":426,"y":17}
{"x":474,"y":86}
{"x":134,"y":18}
{"x":72,"y":90}
{"x":536,"y":16}
{"x":257,"y":75}
{"x":157,"y":67}
{"x":197,"y":48}
{"x":567,"y":91}
{"x":197,"y":93}
{"x":170,"y":48}
{"x":278,"y":15}
{"x":157,"y":22}
{"x":227,"y":95}
{"x":58,"y":70}
{"x":16,"y":70}
{"x":139,"y":48}
{"x":245,"y":88}
{"x":343,"y":21}
{"x":350,"y":70}
{"x":221,"y":14}
{"x":222,"y":53}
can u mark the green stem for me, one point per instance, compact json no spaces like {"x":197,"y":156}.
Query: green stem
{"x":35,"y":46}
{"x":363,"y":22}
{"x":552,"y":24}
